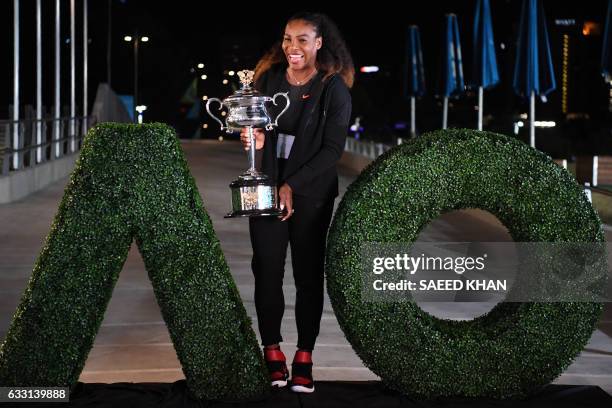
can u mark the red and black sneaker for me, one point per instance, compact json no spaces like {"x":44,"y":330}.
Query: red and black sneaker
{"x":277,"y":366}
{"x":301,"y":372}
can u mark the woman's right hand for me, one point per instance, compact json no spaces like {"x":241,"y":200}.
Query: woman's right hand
{"x":259,"y":135}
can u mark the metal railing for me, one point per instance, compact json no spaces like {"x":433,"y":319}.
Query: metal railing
{"x":601,"y":191}
{"x":368,"y":148}
{"x":39,"y":141}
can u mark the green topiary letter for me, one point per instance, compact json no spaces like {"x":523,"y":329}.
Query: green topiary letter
{"x":515,"y":348}
{"x":133,"y":182}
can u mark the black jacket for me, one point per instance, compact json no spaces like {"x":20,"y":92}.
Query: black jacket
{"x":311,"y":166}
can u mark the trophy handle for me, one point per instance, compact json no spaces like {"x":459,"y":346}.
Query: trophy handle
{"x":223,"y":127}
{"x":270,"y":126}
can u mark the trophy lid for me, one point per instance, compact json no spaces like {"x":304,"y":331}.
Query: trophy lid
{"x":246,"y":91}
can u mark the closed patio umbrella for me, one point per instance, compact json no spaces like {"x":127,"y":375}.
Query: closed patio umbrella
{"x":415,"y":78}
{"x":485,"y":61}
{"x":533,"y":70}
{"x":452,"y":75}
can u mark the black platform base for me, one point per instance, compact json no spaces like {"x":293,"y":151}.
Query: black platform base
{"x":328,"y":394}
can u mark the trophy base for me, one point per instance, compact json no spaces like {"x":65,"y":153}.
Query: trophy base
{"x":253,"y":195}
{"x":254,"y":213}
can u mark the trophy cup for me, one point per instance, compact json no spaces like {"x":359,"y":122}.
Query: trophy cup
{"x":253,"y":193}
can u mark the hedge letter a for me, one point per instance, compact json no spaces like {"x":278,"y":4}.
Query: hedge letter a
{"x":132,"y":182}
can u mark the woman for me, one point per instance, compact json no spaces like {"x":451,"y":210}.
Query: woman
{"x":313,"y":64}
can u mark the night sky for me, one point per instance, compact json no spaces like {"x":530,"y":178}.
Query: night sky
{"x":234,"y":34}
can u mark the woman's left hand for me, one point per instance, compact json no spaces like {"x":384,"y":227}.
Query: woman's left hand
{"x":285,"y":195}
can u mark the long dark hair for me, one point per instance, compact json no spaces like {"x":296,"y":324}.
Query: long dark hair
{"x":333,"y":56}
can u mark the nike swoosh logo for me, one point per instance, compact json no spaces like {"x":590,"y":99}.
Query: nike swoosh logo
{"x":306,"y":96}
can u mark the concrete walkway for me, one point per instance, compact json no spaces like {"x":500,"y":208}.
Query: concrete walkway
{"x":133,"y":343}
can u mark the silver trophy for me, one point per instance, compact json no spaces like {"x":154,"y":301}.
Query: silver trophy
{"x":253,"y":193}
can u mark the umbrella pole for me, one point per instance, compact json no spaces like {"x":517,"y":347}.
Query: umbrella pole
{"x":480,"y":97}
{"x":445,"y":113}
{"x":532,"y":120}
{"x":412,"y":117}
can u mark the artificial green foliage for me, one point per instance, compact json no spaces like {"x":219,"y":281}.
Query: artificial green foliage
{"x":132,"y":182}
{"x":516,"y":347}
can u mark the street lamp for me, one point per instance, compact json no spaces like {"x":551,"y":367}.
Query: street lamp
{"x":136,"y":39}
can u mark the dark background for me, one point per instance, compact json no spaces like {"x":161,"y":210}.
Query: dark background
{"x":233,"y":35}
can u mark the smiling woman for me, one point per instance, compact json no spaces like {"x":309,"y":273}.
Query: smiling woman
{"x":310,"y":40}
{"x":300,"y":45}
{"x":311,"y":63}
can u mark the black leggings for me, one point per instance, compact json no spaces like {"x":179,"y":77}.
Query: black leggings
{"x":306,"y":230}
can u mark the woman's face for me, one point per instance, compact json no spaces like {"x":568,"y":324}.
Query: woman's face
{"x":300,"y":44}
